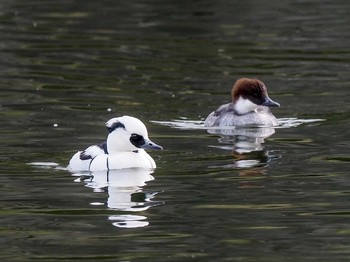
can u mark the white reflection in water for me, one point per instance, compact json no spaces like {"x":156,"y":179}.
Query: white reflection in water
{"x":128,"y":221}
{"x":125,"y":193}
{"x":246,"y":143}
{"x":124,"y":188}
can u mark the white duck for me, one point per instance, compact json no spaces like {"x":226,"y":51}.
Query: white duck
{"x":124,"y":148}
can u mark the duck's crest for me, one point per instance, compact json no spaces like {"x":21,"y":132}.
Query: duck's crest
{"x":113,"y":124}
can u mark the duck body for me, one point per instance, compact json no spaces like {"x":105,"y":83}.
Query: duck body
{"x":225,"y":115}
{"x":122,"y":160}
{"x":124,"y":148}
{"x":249,"y":107}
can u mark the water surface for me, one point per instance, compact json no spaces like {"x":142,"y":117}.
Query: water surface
{"x":259,"y":195}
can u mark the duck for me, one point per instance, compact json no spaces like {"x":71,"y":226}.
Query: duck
{"x":125,"y":147}
{"x":249,"y":107}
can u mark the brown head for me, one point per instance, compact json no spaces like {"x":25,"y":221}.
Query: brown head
{"x":248,"y":94}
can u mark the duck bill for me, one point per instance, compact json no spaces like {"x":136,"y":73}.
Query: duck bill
{"x":269,"y":102}
{"x":150,"y":145}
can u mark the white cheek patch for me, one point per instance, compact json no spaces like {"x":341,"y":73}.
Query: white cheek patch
{"x":243,"y":106}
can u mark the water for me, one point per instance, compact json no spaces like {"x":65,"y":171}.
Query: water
{"x":262,"y":195}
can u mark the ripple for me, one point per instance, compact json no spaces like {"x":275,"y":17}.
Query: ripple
{"x":294,"y":122}
{"x":47,"y":165}
{"x":44,"y":164}
{"x":183,"y":124}
{"x":186,"y":124}
{"x":337,"y":158}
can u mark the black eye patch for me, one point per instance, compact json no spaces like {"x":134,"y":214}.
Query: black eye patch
{"x":137,"y":140}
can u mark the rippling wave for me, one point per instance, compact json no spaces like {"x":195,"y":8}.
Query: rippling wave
{"x":199,"y":124}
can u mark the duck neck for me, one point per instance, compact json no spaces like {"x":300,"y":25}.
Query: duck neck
{"x":244,"y":106}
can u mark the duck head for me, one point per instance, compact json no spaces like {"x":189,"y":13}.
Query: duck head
{"x":128,"y":133}
{"x":248,"y":94}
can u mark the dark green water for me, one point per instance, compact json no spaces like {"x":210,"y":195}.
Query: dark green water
{"x":66,"y":67}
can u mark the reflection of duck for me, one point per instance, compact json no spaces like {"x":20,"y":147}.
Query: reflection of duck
{"x":249,"y":106}
{"x":125,"y":193}
{"x":124,"y":188}
{"x":246,"y":145}
{"x":124,"y":148}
